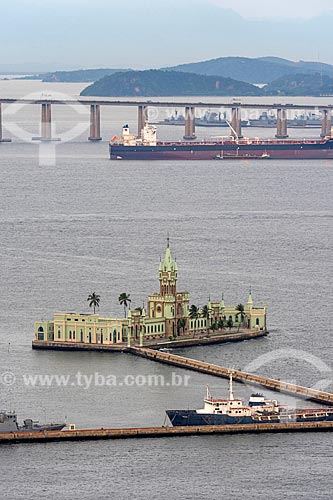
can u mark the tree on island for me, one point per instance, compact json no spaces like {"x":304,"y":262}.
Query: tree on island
{"x":230,"y":323}
{"x":205,"y":313}
{"x":94,"y":300}
{"x":124,"y":300}
{"x":241,"y":312}
{"x":193,"y":312}
{"x":220,"y":324}
{"x":181,"y":324}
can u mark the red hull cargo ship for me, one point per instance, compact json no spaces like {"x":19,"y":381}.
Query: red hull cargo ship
{"x":129,"y":147}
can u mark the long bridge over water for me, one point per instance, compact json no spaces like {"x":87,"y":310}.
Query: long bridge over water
{"x":189,"y":108}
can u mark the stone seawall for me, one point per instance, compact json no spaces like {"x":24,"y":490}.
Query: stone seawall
{"x":160,"y":432}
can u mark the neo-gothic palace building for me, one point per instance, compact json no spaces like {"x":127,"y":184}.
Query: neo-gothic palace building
{"x":167,"y":316}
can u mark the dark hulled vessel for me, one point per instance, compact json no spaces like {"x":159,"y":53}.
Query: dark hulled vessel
{"x":148,"y":148}
{"x":234,"y":412}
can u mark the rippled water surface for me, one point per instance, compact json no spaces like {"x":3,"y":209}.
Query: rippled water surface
{"x":90,"y":224}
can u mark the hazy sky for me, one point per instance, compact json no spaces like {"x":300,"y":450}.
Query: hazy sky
{"x":277,"y":8}
{"x":69,"y":34}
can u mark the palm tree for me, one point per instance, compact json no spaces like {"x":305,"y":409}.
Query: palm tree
{"x":181,"y":324}
{"x":230,"y":323}
{"x":124,"y":300}
{"x":194,"y":312}
{"x":241,"y":312}
{"x":220,"y":324}
{"x":205,"y":313}
{"x":94,"y":300}
{"x":213,"y":326}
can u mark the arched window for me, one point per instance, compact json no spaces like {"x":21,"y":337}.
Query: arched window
{"x":40,"y":335}
{"x":257,"y":321}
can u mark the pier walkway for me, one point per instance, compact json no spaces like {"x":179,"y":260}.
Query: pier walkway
{"x":220,"y":371}
{"x":160,"y":432}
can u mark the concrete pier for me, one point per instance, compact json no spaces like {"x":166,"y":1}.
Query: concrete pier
{"x":95,"y":123}
{"x":46,"y":122}
{"x":282,"y":130}
{"x":160,"y":432}
{"x":239,"y":376}
{"x":189,"y":123}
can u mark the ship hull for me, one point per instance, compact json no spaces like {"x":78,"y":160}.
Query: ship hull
{"x":192,"y":418}
{"x":284,"y":150}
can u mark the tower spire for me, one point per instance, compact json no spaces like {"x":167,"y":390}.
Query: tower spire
{"x":250,"y":299}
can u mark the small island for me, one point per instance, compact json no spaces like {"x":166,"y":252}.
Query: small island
{"x":169,"y":318}
{"x":154,"y":83}
{"x":301,"y":84}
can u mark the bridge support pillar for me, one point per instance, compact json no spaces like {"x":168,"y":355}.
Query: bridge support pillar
{"x":46,"y":121}
{"x":282,"y":130}
{"x":236,"y":122}
{"x":189,"y":123}
{"x":95,"y":123}
{"x":142,"y":117}
{"x":2,"y":139}
{"x":324,"y":114}
{"x":326,"y":123}
{"x":329,"y":123}
{"x":234,"y":119}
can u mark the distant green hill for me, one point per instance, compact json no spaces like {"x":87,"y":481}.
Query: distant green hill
{"x":301,"y":85}
{"x":167,"y":83}
{"x":81,"y":75}
{"x":259,"y":70}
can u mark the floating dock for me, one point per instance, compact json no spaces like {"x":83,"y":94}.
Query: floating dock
{"x":322,"y":397}
{"x":160,"y":432}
